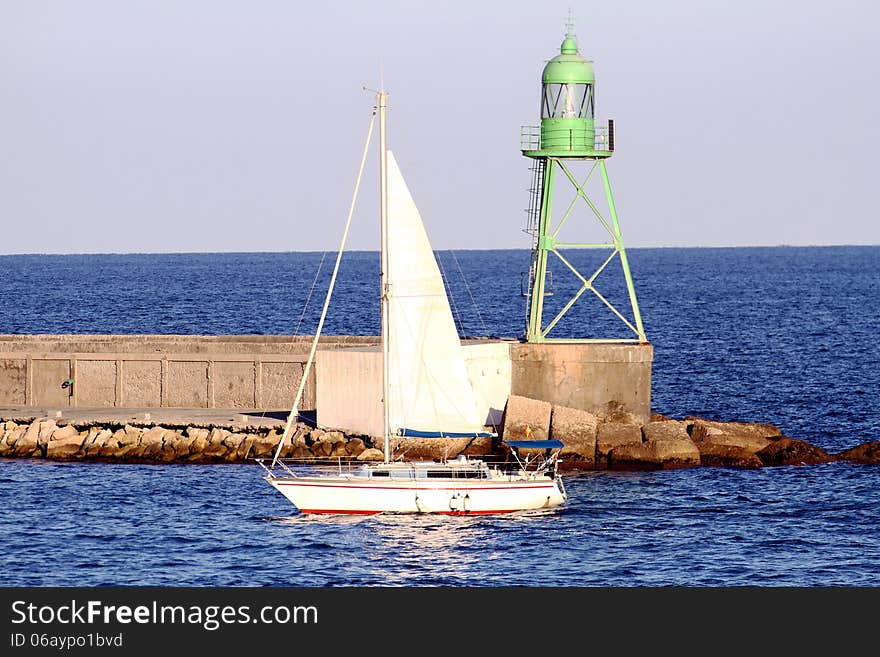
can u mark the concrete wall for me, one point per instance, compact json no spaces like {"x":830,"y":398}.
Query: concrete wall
{"x":158,"y":371}
{"x":595,"y":377}
{"x":349,"y":390}
{"x":263,"y":372}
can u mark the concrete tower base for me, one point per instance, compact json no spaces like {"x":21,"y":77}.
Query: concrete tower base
{"x":595,"y":377}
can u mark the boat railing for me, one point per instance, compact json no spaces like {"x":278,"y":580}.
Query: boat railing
{"x":340,"y":463}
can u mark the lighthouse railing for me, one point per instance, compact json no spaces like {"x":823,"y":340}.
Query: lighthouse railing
{"x":603,"y":140}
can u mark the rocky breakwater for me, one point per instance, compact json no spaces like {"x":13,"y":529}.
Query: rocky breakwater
{"x":617,"y":440}
{"x":612,"y":440}
{"x":50,"y":439}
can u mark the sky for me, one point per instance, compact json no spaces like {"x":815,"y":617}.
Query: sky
{"x":160,"y":126}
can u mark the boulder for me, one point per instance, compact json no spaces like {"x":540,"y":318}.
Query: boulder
{"x":10,"y":438}
{"x":301,"y":452}
{"x":45,"y":431}
{"x":64,"y":448}
{"x":655,"y":455}
{"x":95,"y":443}
{"x":322,"y":448}
{"x":265,"y":446}
{"x":521,"y":412}
{"x":150,"y":445}
{"x":665,"y":430}
{"x":577,"y":430}
{"x":246,"y":447}
{"x":757,"y":429}
{"x":790,"y":451}
{"x":864,"y":453}
{"x":60,"y":433}
{"x":479,"y":446}
{"x":171,"y":444}
{"x":371,"y":454}
{"x":727,"y":456}
{"x":355,"y":446}
{"x":27,"y":444}
{"x":428,"y":449}
{"x":615,"y":434}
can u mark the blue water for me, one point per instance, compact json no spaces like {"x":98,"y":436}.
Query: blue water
{"x":781,"y":335}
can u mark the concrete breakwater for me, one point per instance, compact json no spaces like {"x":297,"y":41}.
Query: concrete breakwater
{"x":614,"y":440}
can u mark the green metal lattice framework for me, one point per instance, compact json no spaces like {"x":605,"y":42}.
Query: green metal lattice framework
{"x":566,"y":136}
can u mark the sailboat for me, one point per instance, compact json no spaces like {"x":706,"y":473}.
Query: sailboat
{"x":425,"y":392}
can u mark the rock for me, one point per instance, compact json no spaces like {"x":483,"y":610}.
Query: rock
{"x":301,"y":452}
{"x":614,"y":434}
{"x":171,"y":443}
{"x":371,"y":454}
{"x":150,"y":445}
{"x":265,"y":446}
{"x":655,"y":455}
{"x":299,"y":437}
{"x":577,"y":430}
{"x":246,"y":447}
{"x":60,"y":433}
{"x":790,"y":451}
{"x":522,"y":412}
{"x":479,"y":446}
{"x":27,"y":444}
{"x":757,"y":429}
{"x":131,"y":435}
{"x":332,"y":437}
{"x":430,"y":449}
{"x":864,"y":453}
{"x":64,"y":448}
{"x":752,"y":444}
{"x":95,"y":443}
{"x":665,"y":430}
{"x":727,"y":456}
{"x":355,"y":446}
{"x":10,"y":438}
{"x":322,"y":448}
{"x":46,"y":429}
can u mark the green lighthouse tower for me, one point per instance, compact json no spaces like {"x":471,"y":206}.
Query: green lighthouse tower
{"x":566,"y":139}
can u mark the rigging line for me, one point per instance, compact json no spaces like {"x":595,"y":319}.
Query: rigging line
{"x":311,"y":290}
{"x":470,"y":294}
{"x":448,"y":289}
{"x":294,"y":413}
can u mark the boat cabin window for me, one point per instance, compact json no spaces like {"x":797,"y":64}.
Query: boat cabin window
{"x":455,"y":474}
{"x":379,"y":473}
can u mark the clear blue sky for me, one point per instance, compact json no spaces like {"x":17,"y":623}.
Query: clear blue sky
{"x":168,"y":126}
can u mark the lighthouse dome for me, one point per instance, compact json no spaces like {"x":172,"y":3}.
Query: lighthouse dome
{"x":568,"y":66}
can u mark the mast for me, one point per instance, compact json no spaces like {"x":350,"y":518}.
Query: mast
{"x":383,"y":213}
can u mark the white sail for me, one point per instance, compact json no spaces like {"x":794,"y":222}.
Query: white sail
{"x":429,"y":385}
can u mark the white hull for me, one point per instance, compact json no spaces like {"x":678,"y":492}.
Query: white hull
{"x":349,"y":494}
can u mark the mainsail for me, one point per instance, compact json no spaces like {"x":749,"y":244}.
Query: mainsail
{"x":429,"y":389}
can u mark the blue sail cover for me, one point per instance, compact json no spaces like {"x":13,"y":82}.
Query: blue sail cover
{"x":413,"y":433}
{"x":535,"y":444}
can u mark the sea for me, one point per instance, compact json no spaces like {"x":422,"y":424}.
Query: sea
{"x":781,"y":335}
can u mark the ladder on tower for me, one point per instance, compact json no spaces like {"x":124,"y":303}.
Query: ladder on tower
{"x":533,"y":221}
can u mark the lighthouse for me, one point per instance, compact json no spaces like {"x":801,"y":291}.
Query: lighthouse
{"x":569,"y":149}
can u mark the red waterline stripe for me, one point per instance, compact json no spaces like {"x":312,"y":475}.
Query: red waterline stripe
{"x":441,"y":513}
